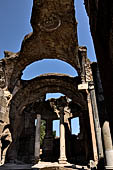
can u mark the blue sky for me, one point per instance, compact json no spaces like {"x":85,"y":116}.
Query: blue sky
{"x":15,"y":24}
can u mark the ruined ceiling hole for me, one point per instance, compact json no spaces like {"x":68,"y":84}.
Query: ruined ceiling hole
{"x":53,"y":95}
{"x":48,"y":66}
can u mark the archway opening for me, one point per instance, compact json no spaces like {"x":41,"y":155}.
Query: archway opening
{"x":56,"y":123}
{"x":56,"y":127}
{"x":48,"y":66}
{"x":37,"y":92}
{"x":75,"y":127}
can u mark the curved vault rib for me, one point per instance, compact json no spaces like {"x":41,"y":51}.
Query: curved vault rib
{"x":47,"y":83}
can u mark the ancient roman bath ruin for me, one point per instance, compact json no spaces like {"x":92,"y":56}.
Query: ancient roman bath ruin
{"x":54,"y":36}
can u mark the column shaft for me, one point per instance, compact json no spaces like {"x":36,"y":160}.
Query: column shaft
{"x":62,"y":158}
{"x":37,"y":138}
{"x":92,"y":129}
{"x":108,"y":145}
{"x":97,"y":124}
{"x":0,"y":151}
{"x":49,"y":128}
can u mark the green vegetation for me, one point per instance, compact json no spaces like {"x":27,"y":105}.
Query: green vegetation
{"x":54,"y":133}
{"x":42,"y":131}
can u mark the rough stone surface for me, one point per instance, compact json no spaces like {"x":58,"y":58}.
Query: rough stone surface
{"x":54,"y":36}
{"x":101,"y":25}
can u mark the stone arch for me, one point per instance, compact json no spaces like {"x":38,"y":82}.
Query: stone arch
{"x":22,"y":61}
{"x":47,"y":83}
{"x":53,"y":37}
{"x":30,"y":92}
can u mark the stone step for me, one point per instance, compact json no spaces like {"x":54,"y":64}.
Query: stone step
{"x":44,"y":166}
{"x":17,"y":167}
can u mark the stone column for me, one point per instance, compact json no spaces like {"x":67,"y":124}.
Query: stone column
{"x":62,"y":159}
{"x":49,"y":128}
{"x":67,"y":126}
{"x":96,"y":120}
{"x":83,"y":133}
{"x":0,"y":151}
{"x":37,"y":138}
{"x":92,"y":129}
{"x":32,"y":138}
{"x":48,"y":141}
{"x":108,"y":145}
{"x":108,"y":150}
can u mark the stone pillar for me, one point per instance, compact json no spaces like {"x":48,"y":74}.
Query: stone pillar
{"x":37,"y":138}
{"x":96,"y":121}
{"x":95,"y":155}
{"x":83,"y":133}
{"x":104,"y":119}
{"x":62,"y":159}
{"x":49,"y":128}
{"x":32,"y":138}
{"x":0,"y":151}
{"x":48,"y":141}
{"x":108,"y":145}
{"x":67,"y":126}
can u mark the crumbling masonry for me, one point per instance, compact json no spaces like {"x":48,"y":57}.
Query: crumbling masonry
{"x":54,"y":36}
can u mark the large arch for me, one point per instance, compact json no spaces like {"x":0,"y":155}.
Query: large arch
{"x":30,"y":92}
{"x":54,"y":36}
{"x":47,"y":83}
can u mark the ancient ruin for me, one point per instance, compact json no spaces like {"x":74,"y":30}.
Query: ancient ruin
{"x":22,"y":102}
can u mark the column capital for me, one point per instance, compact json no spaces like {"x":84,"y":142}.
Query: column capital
{"x":61,"y":108}
{"x":38,"y":115}
{"x":91,"y":85}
